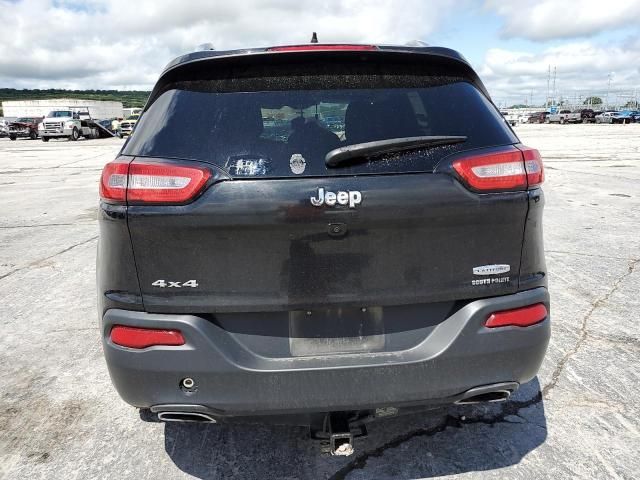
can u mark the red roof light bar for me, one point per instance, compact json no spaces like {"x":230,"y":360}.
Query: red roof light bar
{"x":323,"y":47}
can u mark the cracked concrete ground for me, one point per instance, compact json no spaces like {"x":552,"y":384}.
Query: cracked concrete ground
{"x":60,"y":417}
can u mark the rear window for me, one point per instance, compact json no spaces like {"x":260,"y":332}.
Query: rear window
{"x":274,"y":128}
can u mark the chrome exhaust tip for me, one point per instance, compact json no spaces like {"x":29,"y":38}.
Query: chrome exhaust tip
{"x":497,"y":392}
{"x":496,"y":396}
{"x":192,"y":417}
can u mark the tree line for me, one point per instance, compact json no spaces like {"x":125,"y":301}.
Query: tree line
{"x":129,"y":98}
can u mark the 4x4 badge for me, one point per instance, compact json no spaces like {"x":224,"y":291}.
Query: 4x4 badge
{"x":351,"y":198}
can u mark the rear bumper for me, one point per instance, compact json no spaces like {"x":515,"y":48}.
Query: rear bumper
{"x":459,"y":354}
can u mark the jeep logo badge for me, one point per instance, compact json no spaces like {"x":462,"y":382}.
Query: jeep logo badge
{"x":351,"y":198}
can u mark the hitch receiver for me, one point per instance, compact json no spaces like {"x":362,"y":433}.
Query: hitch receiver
{"x":337,"y":434}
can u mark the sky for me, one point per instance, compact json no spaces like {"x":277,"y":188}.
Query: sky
{"x":593,"y":45}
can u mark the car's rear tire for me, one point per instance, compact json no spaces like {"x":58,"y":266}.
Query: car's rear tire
{"x":12,"y":137}
{"x":33,"y":135}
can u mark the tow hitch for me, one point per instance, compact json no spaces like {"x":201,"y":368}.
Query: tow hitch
{"x":337,"y":433}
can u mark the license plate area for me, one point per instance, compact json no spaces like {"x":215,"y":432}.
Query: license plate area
{"x":336,"y":331}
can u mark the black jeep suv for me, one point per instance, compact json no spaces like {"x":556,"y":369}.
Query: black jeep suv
{"x":345,"y":231}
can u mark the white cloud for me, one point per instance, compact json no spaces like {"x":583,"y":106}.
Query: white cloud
{"x":554,"y":19}
{"x":126,"y":43}
{"x":582,"y":68}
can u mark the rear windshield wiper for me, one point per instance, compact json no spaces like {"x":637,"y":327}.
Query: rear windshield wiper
{"x":343,"y":155}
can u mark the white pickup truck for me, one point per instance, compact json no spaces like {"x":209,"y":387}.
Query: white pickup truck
{"x":67,"y":124}
{"x":510,"y":118}
{"x":564,"y":116}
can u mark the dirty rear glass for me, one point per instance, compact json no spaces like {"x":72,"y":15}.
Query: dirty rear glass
{"x":272,"y":127}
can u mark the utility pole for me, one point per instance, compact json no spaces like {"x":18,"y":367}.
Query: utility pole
{"x":554,"y":84}
{"x":546,"y":103}
{"x":608,"y":90}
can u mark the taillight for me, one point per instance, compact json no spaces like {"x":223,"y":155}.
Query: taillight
{"x":533,"y":166}
{"x":321,"y":47}
{"x":134,"y":337}
{"x":518,"y":317}
{"x":146,"y":182}
{"x":506,"y":170}
{"x":164,"y":183}
{"x":113,"y":183}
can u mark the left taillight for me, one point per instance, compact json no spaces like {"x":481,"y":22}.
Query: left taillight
{"x":143,"y":182}
{"x":510,"y":169}
{"x":136,"y":337}
{"x":113,"y":183}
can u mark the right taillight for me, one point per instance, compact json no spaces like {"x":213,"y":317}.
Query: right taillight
{"x":511,"y":169}
{"x":518,"y":317}
{"x":533,"y":166}
{"x":151,"y":182}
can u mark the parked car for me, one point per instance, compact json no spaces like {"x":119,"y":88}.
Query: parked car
{"x":107,"y":124}
{"x":564,"y":116}
{"x":587,"y":115}
{"x":4,"y":129}
{"x":26,"y":127}
{"x":510,"y":118}
{"x":538,"y":117}
{"x":625,"y":116}
{"x":313,"y":280}
{"x":126,"y":126}
{"x":607,"y":117}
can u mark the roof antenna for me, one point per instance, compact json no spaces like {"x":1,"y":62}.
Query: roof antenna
{"x":416,"y":43}
{"x":205,"y":46}
{"x":314,"y":38}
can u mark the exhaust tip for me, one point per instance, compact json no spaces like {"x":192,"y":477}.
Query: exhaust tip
{"x":496,"y":392}
{"x":496,"y":396}
{"x":193,"y":417}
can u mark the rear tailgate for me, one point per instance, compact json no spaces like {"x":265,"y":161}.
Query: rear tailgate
{"x":255,"y":240}
{"x":261,"y":245}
